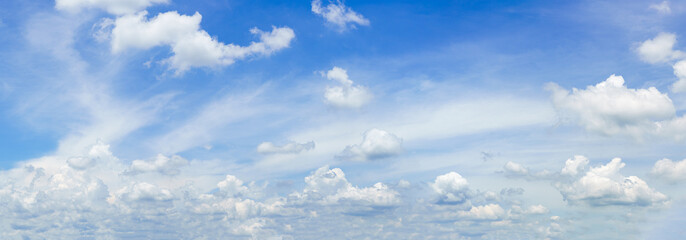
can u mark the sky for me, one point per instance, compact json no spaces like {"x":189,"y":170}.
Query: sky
{"x":327,"y":119}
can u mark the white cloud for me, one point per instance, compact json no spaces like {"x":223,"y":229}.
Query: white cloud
{"x":515,"y":170}
{"x":659,"y":49}
{"x":288,"y":148}
{"x":337,"y":14}
{"x":231,"y":186}
{"x":329,"y":186}
{"x":485,"y":212}
{"x":680,"y":72}
{"x":117,"y":7}
{"x":574,"y":166}
{"x":611,"y":108}
{"x":192,"y":47}
{"x":604,"y":185}
{"x":670,"y":170}
{"x":376,"y":144}
{"x":662,"y":8}
{"x":161,"y":164}
{"x":451,"y":188}
{"x":346,"y":95}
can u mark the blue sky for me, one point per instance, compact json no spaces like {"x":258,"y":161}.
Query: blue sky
{"x":158,"y":119}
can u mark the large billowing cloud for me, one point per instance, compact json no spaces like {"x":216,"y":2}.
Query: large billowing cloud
{"x":337,"y":14}
{"x":192,"y":46}
{"x":611,"y":108}
{"x":117,"y":7}
{"x":346,"y":95}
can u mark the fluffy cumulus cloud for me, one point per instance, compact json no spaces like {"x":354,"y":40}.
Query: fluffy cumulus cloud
{"x":604,"y":185}
{"x":611,"y":108}
{"x":659,"y":49}
{"x":117,"y":7}
{"x":376,"y":144}
{"x":670,"y":170}
{"x":451,"y":188}
{"x":338,"y":15}
{"x":600,"y":186}
{"x":288,"y":148}
{"x":346,"y":95}
{"x":192,"y":46}
{"x":329,"y":186}
{"x":486,"y":212}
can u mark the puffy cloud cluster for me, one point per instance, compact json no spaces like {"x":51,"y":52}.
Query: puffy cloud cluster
{"x":329,"y":186}
{"x":670,"y":170}
{"x":117,"y":7}
{"x":192,"y":46}
{"x":376,"y":144}
{"x":346,"y":95}
{"x":451,"y":188}
{"x":288,"y":148}
{"x":602,"y":185}
{"x":49,"y":198}
{"x":611,"y":108}
{"x":338,"y":14}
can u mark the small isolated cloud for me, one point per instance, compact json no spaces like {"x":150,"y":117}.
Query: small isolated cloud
{"x":161,"y":164}
{"x":116,"y":7}
{"x":338,"y":15}
{"x":486,"y":212}
{"x":516,"y":170}
{"x":669,"y":170}
{"x":329,"y":186}
{"x":347,"y":95}
{"x":604,"y":185}
{"x":659,"y":49}
{"x":662,"y":8}
{"x":611,"y":108}
{"x":451,"y":188}
{"x":268,"y":148}
{"x":376,"y":144}
{"x":192,"y":46}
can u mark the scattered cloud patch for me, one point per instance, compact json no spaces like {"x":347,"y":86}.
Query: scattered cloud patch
{"x":346,"y":95}
{"x":116,"y":7}
{"x":192,"y":46}
{"x":662,"y":8}
{"x":670,"y":170}
{"x":268,"y":148}
{"x":376,"y":144}
{"x":659,"y":49}
{"x":339,"y":15}
{"x":161,"y":164}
